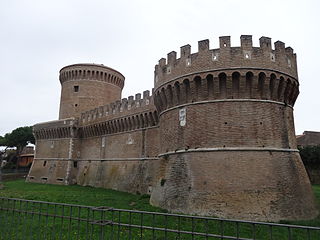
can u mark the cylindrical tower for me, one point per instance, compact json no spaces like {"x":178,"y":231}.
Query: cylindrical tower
{"x":86,"y":86}
{"x":228,"y":143}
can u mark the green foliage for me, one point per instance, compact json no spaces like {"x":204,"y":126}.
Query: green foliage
{"x":11,"y":164}
{"x":2,"y":141}
{"x":18,"y":138}
{"x":310,"y":155}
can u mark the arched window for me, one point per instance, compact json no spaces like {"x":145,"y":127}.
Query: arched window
{"x":121,"y":125}
{"x":155,"y":116}
{"x":186,"y":85}
{"x":280,"y":89}
{"x":133,"y":123}
{"x":261,"y":81}
{"x":249,"y":80}
{"x":287,"y":91}
{"x":146,"y":120}
{"x":177,"y":92}
{"x":138,"y":122}
{"x":170,"y":96}
{"x":235,"y":84}
{"x":164,"y":98}
{"x":197,"y":81}
{"x":152,"y":122}
{"x":158,"y":101}
{"x":209,"y":79}
{"x":272,"y":85}
{"x":223,"y":85}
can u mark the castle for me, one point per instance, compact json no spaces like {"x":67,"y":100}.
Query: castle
{"x":215,"y":137}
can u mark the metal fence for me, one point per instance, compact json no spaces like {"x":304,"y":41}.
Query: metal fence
{"x":27,"y":219}
{"x":15,"y":170}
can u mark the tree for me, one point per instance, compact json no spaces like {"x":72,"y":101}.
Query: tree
{"x":310,"y":155}
{"x":2,"y":141}
{"x":18,"y":138}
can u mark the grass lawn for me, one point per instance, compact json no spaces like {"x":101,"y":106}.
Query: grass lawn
{"x":75,"y":194}
{"x":66,"y":228}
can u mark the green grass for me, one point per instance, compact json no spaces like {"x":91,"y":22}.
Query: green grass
{"x":75,"y":194}
{"x":41,"y":224}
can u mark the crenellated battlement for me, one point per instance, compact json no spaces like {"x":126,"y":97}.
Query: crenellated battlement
{"x":133,"y":113}
{"x":281,"y":59}
{"x":126,"y":107}
{"x":97,"y":72}
{"x":55,"y":129}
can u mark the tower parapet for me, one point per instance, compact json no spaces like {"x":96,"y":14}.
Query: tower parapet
{"x":227,"y":132}
{"x":85,"y":86}
{"x":121,"y":116}
{"x":279,"y":59}
{"x":56,"y":129}
{"x":244,"y":72}
{"x":127,"y":106}
{"x":87,"y":71}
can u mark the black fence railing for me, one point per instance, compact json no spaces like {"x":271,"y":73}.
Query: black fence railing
{"x":15,"y":170}
{"x":27,"y":219}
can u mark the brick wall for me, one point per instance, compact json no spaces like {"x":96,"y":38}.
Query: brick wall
{"x":86,"y":86}
{"x":215,"y":138}
{"x":228,"y":144}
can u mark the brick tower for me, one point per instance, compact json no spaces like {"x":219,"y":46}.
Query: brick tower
{"x":228,"y":145}
{"x":86,"y":86}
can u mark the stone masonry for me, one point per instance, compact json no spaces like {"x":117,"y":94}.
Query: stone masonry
{"x":216,"y":137}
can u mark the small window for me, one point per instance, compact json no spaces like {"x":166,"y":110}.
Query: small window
{"x":75,"y":164}
{"x":44,"y":163}
{"x":76,"y":88}
{"x":272,"y":57}
{"x":247,"y":54}
{"x":168,"y":70}
{"x":188,"y":62}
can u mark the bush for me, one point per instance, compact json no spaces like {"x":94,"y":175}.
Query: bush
{"x":9,"y":165}
{"x":310,"y":155}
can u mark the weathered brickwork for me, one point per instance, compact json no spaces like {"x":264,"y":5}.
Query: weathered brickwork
{"x":216,"y":137}
{"x":86,"y":86}
{"x":246,"y":184}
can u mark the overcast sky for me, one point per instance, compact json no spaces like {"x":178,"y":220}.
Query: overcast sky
{"x":39,"y":37}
